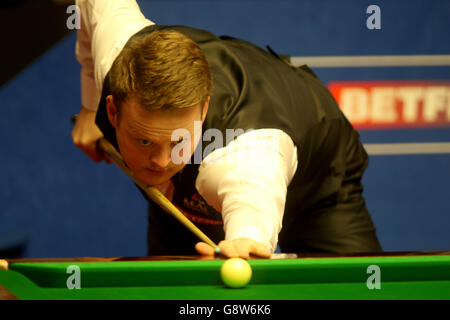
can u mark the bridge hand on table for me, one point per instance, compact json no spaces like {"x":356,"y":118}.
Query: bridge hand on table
{"x":236,"y":248}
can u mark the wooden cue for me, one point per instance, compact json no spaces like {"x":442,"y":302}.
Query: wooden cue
{"x":153,"y":192}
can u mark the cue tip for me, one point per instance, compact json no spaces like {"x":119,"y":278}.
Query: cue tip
{"x":217,"y":250}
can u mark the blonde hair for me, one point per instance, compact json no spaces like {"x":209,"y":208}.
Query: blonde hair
{"x":163,"y":69}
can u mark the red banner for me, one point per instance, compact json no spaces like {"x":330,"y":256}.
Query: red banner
{"x":394,"y":104}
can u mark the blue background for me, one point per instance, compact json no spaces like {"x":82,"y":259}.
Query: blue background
{"x":68,"y":206}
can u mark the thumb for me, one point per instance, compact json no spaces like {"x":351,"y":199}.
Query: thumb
{"x":204,"y":249}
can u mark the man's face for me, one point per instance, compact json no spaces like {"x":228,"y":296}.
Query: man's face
{"x":145,"y":137}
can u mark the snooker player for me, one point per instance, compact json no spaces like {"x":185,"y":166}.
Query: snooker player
{"x":292,"y":177}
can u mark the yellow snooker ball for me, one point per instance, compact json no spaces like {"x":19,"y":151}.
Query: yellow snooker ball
{"x":236,"y":273}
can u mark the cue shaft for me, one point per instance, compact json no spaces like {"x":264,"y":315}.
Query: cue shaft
{"x":152,"y":192}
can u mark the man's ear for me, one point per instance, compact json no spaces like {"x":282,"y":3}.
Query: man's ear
{"x":111,"y":109}
{"x":205,"y":109}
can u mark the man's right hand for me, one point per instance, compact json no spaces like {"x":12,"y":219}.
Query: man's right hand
{"x":85,"y":134}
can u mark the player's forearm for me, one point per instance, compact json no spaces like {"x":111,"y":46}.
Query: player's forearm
{"x":254,"y":210}
{"x":90,"y":95}
{"x":247,"y":181}
{"x":105,"y":28}
{"x":116,"y":22}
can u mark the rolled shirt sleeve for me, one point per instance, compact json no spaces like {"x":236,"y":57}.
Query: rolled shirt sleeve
{"x":247,"y":182}
{"x":105,"y":27}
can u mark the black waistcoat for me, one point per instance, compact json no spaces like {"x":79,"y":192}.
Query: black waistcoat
{"x":254,"y":89}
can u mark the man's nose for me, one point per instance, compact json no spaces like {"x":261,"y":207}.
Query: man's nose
{"x":161,"y":159}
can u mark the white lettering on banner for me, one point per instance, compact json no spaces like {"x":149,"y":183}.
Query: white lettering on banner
{"x":383,"y":105}
{"x":435,"y":101}
{"x":355,"y":104}
{"x":395,"y":104}
{"x":411,"y":97}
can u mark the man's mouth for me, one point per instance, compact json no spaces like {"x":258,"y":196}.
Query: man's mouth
{"x":156,"y":171}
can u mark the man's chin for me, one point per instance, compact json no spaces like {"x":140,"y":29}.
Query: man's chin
{"x":154,"y":178}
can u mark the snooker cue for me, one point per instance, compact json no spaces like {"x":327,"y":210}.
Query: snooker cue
{"x":153,"y":192}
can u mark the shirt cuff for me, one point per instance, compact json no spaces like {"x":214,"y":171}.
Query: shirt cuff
{"x":253,"y":233}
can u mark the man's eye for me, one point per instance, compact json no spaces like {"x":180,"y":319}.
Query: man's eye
{"x":178,"y":142}
{"x":145,"y":142}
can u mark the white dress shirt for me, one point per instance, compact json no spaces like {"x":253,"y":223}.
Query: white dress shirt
{"x":246,"y":180}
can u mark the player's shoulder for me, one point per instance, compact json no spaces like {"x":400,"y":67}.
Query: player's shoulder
{"x":196,"y":34}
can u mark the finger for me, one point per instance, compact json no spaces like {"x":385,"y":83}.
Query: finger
{"x":93,"y":154}
{"x":243,"y":248}
{"x":96,"y":157}
{"x":260,"y":251}
{"x":90,"y":149}
{"x":227,"y":249}
{"x":102,"y":154}
{"x":204,"y":249}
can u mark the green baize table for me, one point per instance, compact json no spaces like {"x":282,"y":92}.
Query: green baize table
{"x":404,"y":276}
